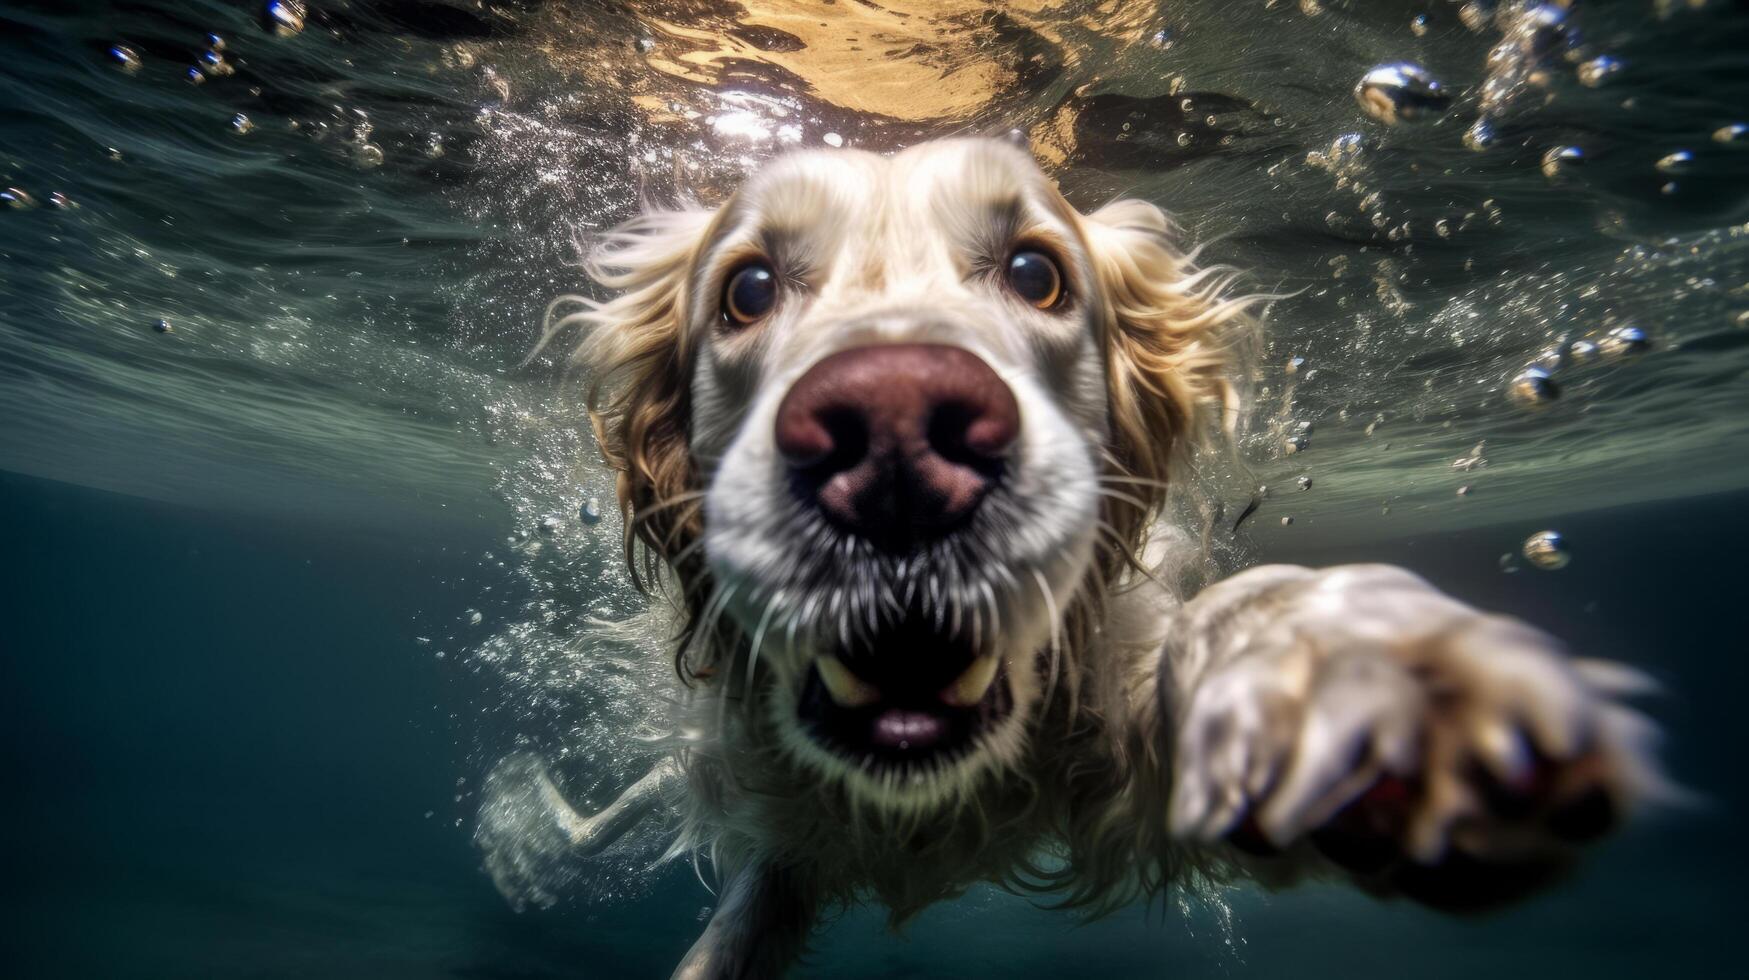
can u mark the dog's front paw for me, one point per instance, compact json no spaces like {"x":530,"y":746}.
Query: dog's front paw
{"x":1443,"y":753}
{"x":527,"y":833}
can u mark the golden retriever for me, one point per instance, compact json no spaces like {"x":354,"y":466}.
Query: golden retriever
{"x":894,"y":434}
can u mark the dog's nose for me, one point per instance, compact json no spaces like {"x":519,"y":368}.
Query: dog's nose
{"x":898,"y":443}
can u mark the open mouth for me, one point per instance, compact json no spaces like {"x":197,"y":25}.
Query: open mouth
{"x":907,"y":696}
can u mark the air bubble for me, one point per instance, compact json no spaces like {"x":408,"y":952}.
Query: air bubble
{"x":1401,"y":92}
{"x":1533,"y":387}
{"x":1676,"y":164}
{"x":125,"y":59}
{"x":1625,"y":341}
{"x":1561,"y":159}
{"x":162,"y":325}
{"x":283,"y":17}
{"x":590,"y":512}
{"x":1543,"y":28}
{"x":214,"y":63}
{"x":241,"y":125}
{"x":1598,"y":70}
{"x":550,"y":524}
{"x":1480,"y":135}
{"x":1546,"y":550}
{"x":1304,"y":483}
{"x":1418,"y":26}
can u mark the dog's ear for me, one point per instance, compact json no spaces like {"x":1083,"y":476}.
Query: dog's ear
{"x":1170,"y":333}
{"x":636,"y":353}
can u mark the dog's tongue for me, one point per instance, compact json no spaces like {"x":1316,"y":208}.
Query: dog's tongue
{"x":902,"y":728}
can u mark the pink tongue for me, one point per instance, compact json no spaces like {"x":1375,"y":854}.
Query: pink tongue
{"x":897,"y":728}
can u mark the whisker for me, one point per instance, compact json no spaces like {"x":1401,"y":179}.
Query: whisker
{"x":1135,"y":480}
{"x":789,"y":638}
{"x":1136,"y":502}
{"x":759,"y":641}
{"x":995,"y":614}
{"x":1056,"y":644}
{"x":687,"y":552}
{"x":714,"y":610}
{"x":673,"y":500}
{"x":679,"y":528}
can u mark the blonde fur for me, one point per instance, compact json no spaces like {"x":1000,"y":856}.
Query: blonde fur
{"x":1069,"y":814}
{"x":1128,"y":704}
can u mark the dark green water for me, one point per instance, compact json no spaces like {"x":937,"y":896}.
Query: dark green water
{"x":221,"y":745}
{"x":243,"y":701}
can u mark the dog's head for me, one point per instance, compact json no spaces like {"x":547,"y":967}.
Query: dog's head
{"x":893,"y":422}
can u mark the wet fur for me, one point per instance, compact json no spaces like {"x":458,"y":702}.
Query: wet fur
{"x":1166,"y":332}
{"x":1071,"y":800}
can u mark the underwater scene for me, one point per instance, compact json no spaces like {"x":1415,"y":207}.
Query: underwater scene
{"x":305,"y":527}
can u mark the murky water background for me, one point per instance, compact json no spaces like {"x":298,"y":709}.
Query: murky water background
{"x":277,"y":583}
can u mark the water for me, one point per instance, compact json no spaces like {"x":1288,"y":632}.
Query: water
{"x":280,"y":575}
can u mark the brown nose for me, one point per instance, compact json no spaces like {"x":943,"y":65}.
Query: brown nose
{"x":897,"y":443}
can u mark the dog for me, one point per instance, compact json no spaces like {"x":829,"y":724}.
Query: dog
{"x":893,"y":434}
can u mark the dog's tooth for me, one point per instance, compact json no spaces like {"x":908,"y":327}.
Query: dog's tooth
{"x":847,"y":689}
{"x":969,"y":688}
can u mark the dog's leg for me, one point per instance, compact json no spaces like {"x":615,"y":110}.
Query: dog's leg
{"x":761,"y":924}
{"x":531,"y":835}
{"x":1427,"y":748}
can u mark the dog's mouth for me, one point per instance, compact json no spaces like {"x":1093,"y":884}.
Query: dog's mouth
{"x":906,"y":698}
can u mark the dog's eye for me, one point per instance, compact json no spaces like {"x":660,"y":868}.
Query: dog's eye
{"x":1035,"y":276}
{"x":750,"y":294}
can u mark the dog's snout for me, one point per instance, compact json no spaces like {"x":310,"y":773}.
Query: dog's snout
{"x":898,"y":443}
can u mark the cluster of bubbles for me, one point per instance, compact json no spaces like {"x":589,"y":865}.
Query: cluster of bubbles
{"x":1535,"y":386}
{"x":282,"y":19}
{"x":355,"y":130}
{"x":571,"y":648}
{"x":1537,"y":41}
{"x":19,"y":199}
{"x":1539,"y":48}
{"x":212,"y":63}
{"x":1346,"y":159}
